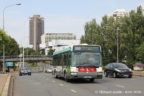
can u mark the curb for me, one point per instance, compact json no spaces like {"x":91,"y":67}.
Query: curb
{"x":11,"y":85}
{"x":2,"y":88}
{"x":6,"y":87}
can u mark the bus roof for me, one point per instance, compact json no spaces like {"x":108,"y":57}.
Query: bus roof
{"x":70,"y":48}
{"x":62,"y":51}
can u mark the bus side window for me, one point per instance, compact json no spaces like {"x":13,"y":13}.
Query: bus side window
{"x":61,"y":59}
{"x":65,"y":58}
{"x":69,"y":58}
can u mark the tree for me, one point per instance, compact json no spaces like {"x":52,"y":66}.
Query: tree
{"x":130,"y":36}
{"x":11,"y":46}
{"x":140,"y":53}
{"x":50,"y":52}
{"x":29,"y":51}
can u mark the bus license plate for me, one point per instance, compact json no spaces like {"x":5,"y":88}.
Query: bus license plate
{"x":87,"y":77}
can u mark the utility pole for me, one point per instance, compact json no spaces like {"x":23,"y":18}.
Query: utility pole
{"x":118,"y":44}
{"x":3,"y":69}
{"x":4,"y":12}
{"x":3,"y":58}
{"x":23,"y":56}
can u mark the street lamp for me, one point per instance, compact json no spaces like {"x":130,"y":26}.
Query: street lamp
{"x":4,"y":12}
{"x":3,"y":54}
{"x":118,"y":28}
{"x":118,"y":44}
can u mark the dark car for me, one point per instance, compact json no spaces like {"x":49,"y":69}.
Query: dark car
{"x":117,"y":70}
{"x":24,"y":71}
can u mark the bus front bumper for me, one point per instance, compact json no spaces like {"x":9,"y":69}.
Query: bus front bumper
{"x":86,"y":75}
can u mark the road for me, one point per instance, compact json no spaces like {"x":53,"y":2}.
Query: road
{"x":43,"y":84}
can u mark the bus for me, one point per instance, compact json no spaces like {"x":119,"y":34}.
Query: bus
{"x":78,"y":62}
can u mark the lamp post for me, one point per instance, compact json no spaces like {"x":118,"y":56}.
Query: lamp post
{"x":23,"y":56}
{"x":118,"y":44}
{"x":4,"y":12}
{"x":117,"y":19}
{"x":3,"y":54}
{"x":3,"y":58}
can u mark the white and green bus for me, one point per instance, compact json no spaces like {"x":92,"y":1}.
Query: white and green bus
{"x":78,"y":62}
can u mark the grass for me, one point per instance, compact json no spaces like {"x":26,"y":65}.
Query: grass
{"x":33,"y":66}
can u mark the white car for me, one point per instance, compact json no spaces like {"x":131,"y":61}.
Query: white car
{"x":49,"y":70}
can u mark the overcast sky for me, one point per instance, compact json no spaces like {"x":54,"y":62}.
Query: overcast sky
{"x":61,"y":16}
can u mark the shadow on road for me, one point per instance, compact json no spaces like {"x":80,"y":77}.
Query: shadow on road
{"x":96,"y":81}
{"x":85,"y":81}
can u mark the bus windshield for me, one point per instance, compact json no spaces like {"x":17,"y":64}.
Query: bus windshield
{"x":86,"y":59}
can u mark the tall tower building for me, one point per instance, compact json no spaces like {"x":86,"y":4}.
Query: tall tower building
{"x":36,"y":28}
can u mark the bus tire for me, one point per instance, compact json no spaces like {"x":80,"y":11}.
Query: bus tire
{"x":92,"y":80}
{"x":66,"y":78}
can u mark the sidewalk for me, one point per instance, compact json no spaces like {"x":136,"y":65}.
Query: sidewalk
{"x":3,"y":78}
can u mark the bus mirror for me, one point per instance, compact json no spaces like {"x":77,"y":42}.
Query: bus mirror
{"x":100,"y":49}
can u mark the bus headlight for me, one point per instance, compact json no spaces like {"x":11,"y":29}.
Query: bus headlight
{"x":73,"y":73}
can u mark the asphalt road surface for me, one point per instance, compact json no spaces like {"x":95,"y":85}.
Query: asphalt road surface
{"x":43,"y":84}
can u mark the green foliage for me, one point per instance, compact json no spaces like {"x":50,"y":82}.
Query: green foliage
{"x":29,"y":51}
{"x":51,"y":52}
{"x":130,"y":37}
{"x":11,"y":46}
{"x":140,"y":53}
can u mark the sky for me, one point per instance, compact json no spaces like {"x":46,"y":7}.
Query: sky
{"x":61,"y":16}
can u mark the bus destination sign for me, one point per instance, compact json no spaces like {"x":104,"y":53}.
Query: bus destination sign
{"x":87,"y":48}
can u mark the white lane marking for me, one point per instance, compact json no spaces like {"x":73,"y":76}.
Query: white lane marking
{"x":132,"y":79}
{"x":61,"y":84}
{"x":74,"y":91}
{"x":120,"y":86}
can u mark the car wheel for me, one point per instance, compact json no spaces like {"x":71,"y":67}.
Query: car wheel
{"x":130,"y":76}
{"x":114,"y":75}
{"x":105,"y":74}
{"x":20,"y":74}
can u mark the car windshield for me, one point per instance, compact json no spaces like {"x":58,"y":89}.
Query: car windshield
{"x":25,"y":68}
{"x":119,"y":65}
{"x":86,"y":59}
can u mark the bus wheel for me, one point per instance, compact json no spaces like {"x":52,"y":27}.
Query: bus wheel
{"x":92,"y":80}
{"x":66,"y":78}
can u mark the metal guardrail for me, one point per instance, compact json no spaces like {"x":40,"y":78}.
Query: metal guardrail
{"x":27,"y":58}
